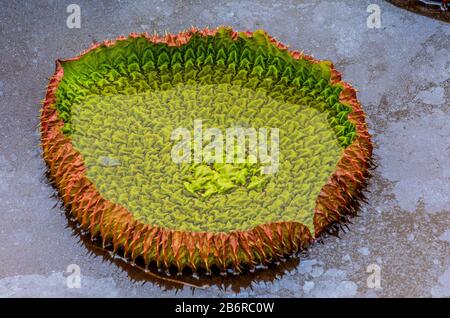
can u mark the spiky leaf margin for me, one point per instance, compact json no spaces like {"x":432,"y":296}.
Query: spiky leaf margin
{"x":116,"y":225}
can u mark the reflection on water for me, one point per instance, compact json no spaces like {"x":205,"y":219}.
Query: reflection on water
{"x":171,"y":280}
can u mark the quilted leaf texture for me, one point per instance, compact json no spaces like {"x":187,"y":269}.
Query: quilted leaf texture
{"x":106,"y":128}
